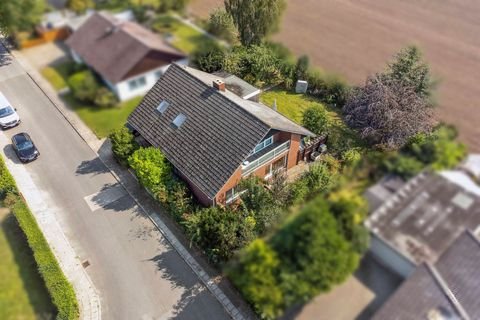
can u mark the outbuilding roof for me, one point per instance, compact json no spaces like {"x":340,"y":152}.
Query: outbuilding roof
{"x":447,"y":289}
{"x":219,"y":132}
{"x":114,"y":47}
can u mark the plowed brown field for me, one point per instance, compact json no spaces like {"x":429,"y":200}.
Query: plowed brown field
{"x":356,"y":37}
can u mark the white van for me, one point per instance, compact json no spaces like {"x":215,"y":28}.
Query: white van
{"x":8,"y":115}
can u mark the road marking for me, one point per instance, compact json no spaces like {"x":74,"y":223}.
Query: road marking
{"x":104,"y":197}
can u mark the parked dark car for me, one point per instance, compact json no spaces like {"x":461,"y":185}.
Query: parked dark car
{"x":24,"y":147}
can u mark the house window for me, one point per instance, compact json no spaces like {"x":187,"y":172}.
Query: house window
{"x":158,"y":74}
{"x":162,"y":107}
{"x":179,"y":120}
{"x":137,"y":83}
{"x":262,"y":145}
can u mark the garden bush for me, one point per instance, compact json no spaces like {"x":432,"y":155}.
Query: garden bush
{"x":84,"y":86}
{"x":123,"y":144}
{"x":60,"y":290}
{"x":328,"y":88}
{"x":105,"y":98}
{"x":151,"y":168}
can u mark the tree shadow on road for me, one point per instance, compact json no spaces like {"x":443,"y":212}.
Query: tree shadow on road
{"x":94,"y":166}
{"x":196,"y":300}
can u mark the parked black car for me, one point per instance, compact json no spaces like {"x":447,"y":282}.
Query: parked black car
{"x":24,"y":147}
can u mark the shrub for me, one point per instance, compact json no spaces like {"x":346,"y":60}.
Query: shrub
{"x":255,"y":276}
{"x":314,"y":256}
{"x":60,"y":290}
{"x":301,"y":68}
{"x":221,"y":25}
{"x":403,"y":166}
{"x":318,"y":178}
{"x":328,"y":88}
{"x":84,"y":86}
{"x":123,"y":144}
{"x":316,"y":119}
{"x":220,"y":231}
{"x":105,"y":98}
{"x":151,"y":168}
{"x":209,"y":57}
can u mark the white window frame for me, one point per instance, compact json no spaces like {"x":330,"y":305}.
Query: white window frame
{"x":137,"y":83}
{"x":262,"y":145}
{"x":235,"y":194}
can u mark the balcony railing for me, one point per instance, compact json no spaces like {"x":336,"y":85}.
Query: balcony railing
{"x":252,"y":166}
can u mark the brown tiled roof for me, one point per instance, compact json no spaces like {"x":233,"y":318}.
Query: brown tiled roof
{"x":114,"y":48}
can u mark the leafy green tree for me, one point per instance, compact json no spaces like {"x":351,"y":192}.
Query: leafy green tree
{"x":80,"y":6}
{"x":175,"y":5}
{"x":221,"y":25}
{"x":84,"y":86}
{"x":151,"y":168}
{"x":314,"y":255}
{"x":258,"y":65}
{"x":254,"y":274}
{"x":409,"y":68}
{"x":403,"y":166}
{"x":20,"y":15}
{"x":220,"y":231}
{"x":319,"y":178}
{"x":350,"y":209}
{"x":255,"y":19}
{"x":256,"y":196}
{"x":316,"y":119}
{"x":440,"y":149}
{"x":209,"y":57}
{"x":123,"y":144}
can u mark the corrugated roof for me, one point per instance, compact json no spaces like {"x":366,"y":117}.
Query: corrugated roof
{"x":113,"y":47}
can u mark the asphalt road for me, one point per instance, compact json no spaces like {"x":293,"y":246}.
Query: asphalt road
{"x":137,"y":274}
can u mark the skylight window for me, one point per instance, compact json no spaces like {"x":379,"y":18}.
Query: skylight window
{"x":179,"y":120}
{"x":162,"y":107}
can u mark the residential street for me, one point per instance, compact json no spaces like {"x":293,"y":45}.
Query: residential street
{"x":137,"y":274}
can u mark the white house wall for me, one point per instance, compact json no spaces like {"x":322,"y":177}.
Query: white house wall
{"x":123,"y":91}
{"x":389,"y":257}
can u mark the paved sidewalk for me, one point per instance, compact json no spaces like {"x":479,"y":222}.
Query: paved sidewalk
{"x":233,"y":304}
{"x":46,"y":216}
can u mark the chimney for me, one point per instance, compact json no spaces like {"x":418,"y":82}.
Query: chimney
{"x":219,"y":85}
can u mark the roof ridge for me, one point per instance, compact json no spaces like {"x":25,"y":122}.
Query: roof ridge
{"x":183,"y":68}
{"x":472,"y":235}
{"x":446,"y":290}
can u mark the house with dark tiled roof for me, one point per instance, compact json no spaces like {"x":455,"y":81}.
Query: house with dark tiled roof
{"x":214,"y":132}
{"x":128,"y":57}
{"x":448,"y":289}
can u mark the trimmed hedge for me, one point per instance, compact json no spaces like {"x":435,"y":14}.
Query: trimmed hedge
{"x":61,"y":291}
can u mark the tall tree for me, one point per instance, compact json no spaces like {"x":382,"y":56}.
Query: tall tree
{"x":221,"y":25}
{"x":80,"y":6}
{"x":255,"y":19}
{"x":410,"y":69}
{"x":388,"y":112}
{"x":314,"y":255}
{"x":20,"y":15}
{"x":255,"y":276}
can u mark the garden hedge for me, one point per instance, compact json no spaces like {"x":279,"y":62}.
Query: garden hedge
{"x":61,"y":291}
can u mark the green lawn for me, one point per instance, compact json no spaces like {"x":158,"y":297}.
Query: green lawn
{"x":102,"y":120}
{"x":291,"y":105}
{"x":57,"y":75}
{"x":22,"y":291}
{"x":185,"y":38}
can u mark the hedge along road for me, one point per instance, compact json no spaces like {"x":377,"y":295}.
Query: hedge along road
{"x":136,"y":272}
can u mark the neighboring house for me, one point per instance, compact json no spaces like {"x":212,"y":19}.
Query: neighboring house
{"x":448,"y":289}
{"x":128,"y":57}
{"x":418,"y":222}
{"x":213,"y":136}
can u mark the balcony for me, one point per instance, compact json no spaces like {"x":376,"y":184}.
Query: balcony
{"x":263,"y":157}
